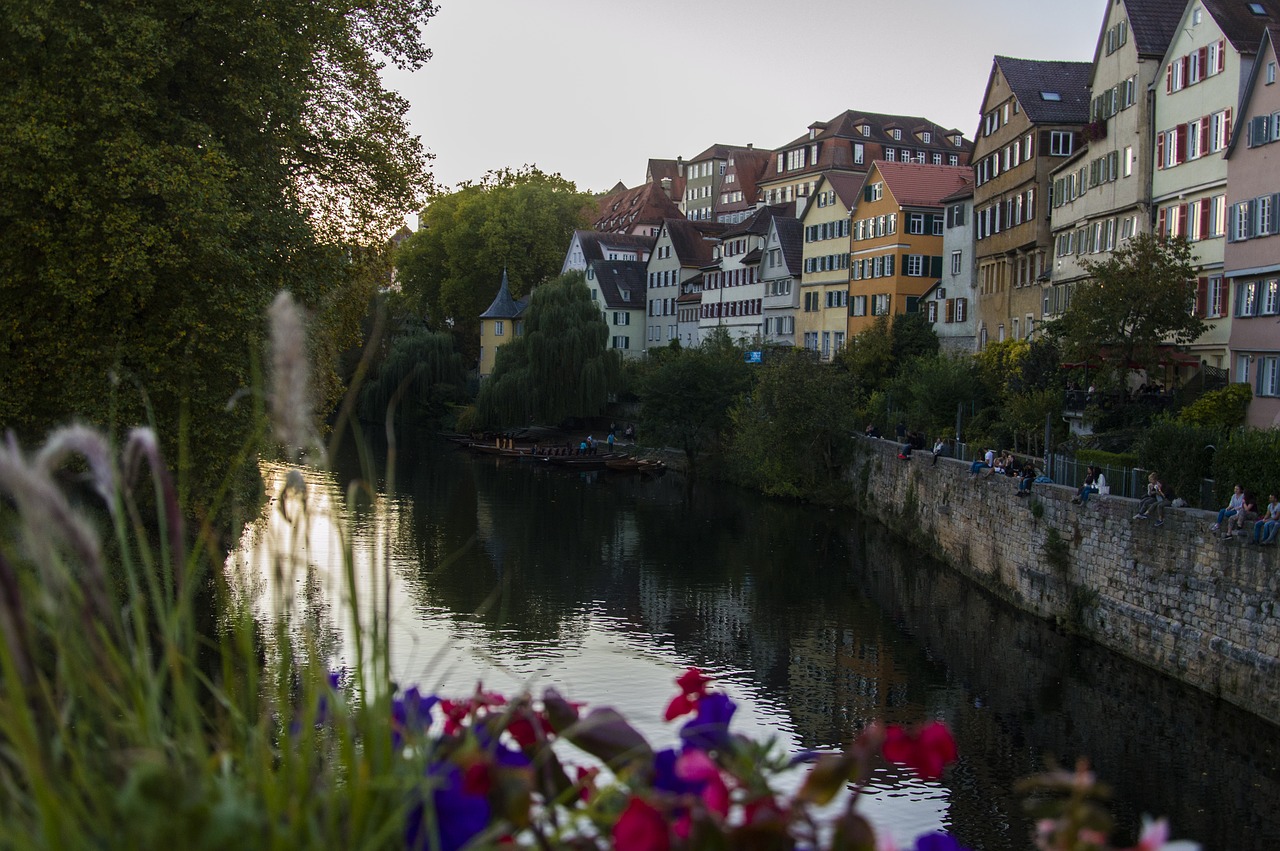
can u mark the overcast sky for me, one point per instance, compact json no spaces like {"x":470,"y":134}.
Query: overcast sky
{"x":594,"y":88}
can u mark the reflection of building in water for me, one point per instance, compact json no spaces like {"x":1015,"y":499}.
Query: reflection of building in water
{"x":848,"y":678}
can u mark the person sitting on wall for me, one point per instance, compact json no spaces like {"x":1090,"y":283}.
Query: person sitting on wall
{"x":1025,"y":478}
{"x":904,"y":452}
{"x":1245,"y":517}
{"x":938,"y":449}
{"x":1264,"y":528}
{"x":1233,"y":507}
{"x":1155,"y":498}
{"x":1093,"y":480}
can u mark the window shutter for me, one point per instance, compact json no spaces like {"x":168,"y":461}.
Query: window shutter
{"x":1182,"y":219}
{"x":1233,"y":213}
{"x":1251,"y":220}
{"x":1182,"y":143}
{"x":1168,"y":79}
{"x":1275,"y":214}
{"x":1160,"y":150}
{"x":1226,"y":127}
{"x":1202,"y":297}
{"x":1204,"y":62}
{"x":935,"y":267}
{"x":888,"y":266}
{"x":1205,"y":209}
{"x":1222,"y":55}
{"x":1161,"y":221}
{"x":1204,"y":135}
{"x":1220,"y":284}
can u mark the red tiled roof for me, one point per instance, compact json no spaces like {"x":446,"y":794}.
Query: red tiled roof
{"x":922,"y":185}
{"x":644,"y":205}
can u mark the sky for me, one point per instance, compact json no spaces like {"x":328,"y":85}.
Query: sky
{"x":593,"y":89}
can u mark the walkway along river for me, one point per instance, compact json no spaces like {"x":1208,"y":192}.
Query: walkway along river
{"x":607,"y":586}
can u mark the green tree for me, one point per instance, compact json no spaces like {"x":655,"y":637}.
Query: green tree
{"x":792,"y":435}
{"x":1136,"y":301}
{"x":421,"y":372}
{"x":193,"y":160}
{"x":930,"y":391}
{"x":559,"y":368}
{"x":868,"y":356}
{"x":912,"y":337}
{"x":686,"y":397}
{"x":519,"y":220}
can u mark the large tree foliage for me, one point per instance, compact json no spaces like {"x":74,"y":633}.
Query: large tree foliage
{"x":686,"y":396}
{"x":560,"y":367}
{"x":793,"y":434}
{"x":1136,"y":301}
{"x":165,"y":169}
{"x":420,"y":373}
{"x":519,"y":220}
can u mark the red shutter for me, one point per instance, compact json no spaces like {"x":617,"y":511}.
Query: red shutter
{"x":951,"y":310}
{"x":1204,"y":136}
{"x":1181,"y":136}
{"x":1168,"y":78}
{"x":1161,"y":219}
{"x":1205,"y":209}
{"x":1160,"y":150}
{"x":1222,"y":55}
{"x":1202,"y":296}
{"x":1204,"y":62}
{"x":1182,"y":219}
{"x":1226,"y":127}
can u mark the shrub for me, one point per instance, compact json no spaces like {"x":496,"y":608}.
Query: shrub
{"x":1222,"y":410}
{"x":1181,"y":453}
{"x":1250,"y":457}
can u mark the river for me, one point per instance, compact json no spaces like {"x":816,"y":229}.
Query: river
{"x":607,"y":586}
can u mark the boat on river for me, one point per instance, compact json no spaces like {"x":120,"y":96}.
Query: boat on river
{"x":643,"y":466}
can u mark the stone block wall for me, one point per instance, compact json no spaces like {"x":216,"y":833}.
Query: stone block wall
{"x":1176,"y":597}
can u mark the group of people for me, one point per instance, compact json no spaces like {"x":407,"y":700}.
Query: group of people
{"x":1242,"y":515}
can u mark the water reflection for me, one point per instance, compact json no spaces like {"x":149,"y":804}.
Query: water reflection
{"x":606,"y":586}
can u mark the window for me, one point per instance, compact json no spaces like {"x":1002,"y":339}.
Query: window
{"x":1060,"y":143}
{"x":859,"y":306}
{"x":915,"y":223}
{"x":1242,"y":368}
{"x":621,"y":342}
{"x":880,"y":304}
{"x":1050,"y":96}
{"x":1271,"y":297}
{"x":926,"y":137}
{"x":1247,"y":298}
{"x":1268,"y":376}
{"x":937,"y":159}
{"x":857,"y":152}
{"x":498,"y":329}
{"x":961,"y":309}
{"x":1271,"y":73}
{"x":891,"y":155}
{"x":896,"y":134}
{"x":915,"y":265}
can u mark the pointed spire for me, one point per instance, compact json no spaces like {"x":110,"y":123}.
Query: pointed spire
{"x":504,"y":306}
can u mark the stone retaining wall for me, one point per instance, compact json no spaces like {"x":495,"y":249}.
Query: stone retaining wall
{"x":1176,"y":597}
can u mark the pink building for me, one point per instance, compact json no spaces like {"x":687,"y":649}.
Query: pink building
{"x":1252,"y":257}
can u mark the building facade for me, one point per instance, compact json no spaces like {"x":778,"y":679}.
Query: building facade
{"x":732,"y":293}
{"x":1033,"y":115}
{"x":1252,"y":254}
{"x":1101,"y":195}
{"x":780,"y":276}
{"x":682,"y":248}
{"x":897,"y":236}
{"x":499,"y":325}
{"x":947,"y":304}
{"x":618,"y":288}
{"x":822,"y":324}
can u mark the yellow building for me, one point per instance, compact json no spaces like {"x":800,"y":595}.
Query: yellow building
{"x":499,"y":325}
{"x":897,"y":237}
{"x":823,"y":317}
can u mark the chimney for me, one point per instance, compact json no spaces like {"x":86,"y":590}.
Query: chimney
{"x":666,"y":186}
{"x":750,"y":145}
{"x":679,"y":166}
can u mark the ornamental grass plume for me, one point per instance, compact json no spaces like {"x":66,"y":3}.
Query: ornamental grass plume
{"x":292,"y":415}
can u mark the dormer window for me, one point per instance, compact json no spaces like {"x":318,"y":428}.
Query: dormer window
{"x":1051,"y":96}
{"x":926,"y":137}
{"x":866,"y":130}
{"x":896,"y":134}
{"x":1258,"y":9}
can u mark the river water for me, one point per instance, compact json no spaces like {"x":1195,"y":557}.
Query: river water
{"x":607,"y":586}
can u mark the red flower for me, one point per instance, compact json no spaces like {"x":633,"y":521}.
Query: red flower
{"x":693,"y":682}
{"x":640,"y":828}
{"x":927,"y":751}
{"x":679,"y":705}
{"x":476,"y":780}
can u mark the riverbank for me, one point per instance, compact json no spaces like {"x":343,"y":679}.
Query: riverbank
{"x":1175,"y":598}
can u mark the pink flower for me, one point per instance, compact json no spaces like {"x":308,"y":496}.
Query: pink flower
{"x":695,"y":766}
{"x":1155,"y":837}
{"x":927,"y":751}
{"x":640,"y":828}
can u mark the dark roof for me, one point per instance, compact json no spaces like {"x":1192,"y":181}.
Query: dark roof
{"x":847,"y":186}
{"x":964,"y":193}
{"x":647,"y":204}
{"x":749,"y":166}
{"x":594,"y":242}
{"x":758,"y":222}
{"x":1270,"y":34}
{"x":504,"y":306}
{"x":1028,"y":78}
{"x":621,"y":283}
{"x":791,"y":240}
{"x":752,"y":256}
{"x":1152,"y":23}
{"x":693,"y":242}
{"x":921,"y":184}
{"x":719,"y":152}
{"x":1241,"y":26}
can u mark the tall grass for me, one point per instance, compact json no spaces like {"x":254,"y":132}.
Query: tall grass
{"x":143,"y":702}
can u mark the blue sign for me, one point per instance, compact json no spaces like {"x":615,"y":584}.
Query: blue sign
{"x":754,"y":357}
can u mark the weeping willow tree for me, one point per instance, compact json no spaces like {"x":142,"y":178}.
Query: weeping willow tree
{"x":559,"y":367}
{"x":422,"y":371}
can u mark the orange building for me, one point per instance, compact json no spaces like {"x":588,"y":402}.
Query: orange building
{"x":896,"y":237}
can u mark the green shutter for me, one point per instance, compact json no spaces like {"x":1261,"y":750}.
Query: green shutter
{"x":935,"y":267}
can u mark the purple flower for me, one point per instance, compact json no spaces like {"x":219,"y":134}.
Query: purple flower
{"x":410,"y":713}
{"x":665,"y":777}
{"x":709,"y":730}
{"x":938,"y":842}
{"x":459,"y":815}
